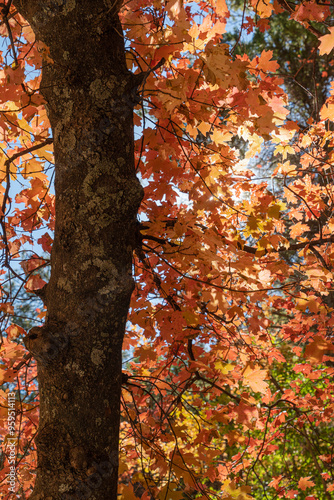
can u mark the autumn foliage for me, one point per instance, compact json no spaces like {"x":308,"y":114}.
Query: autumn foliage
{"x":228,"y":374}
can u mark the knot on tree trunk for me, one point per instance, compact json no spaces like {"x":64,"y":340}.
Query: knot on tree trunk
{"x":45,"y":343}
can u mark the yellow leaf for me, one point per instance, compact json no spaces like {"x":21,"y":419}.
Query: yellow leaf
{"x":224,"y":368}
{"x":233,"y":492}
{"x":33,"y":168}
{"x":284,"y":150}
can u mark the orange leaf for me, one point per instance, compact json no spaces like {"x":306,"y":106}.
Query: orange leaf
{"x":7,"y":308}
{"x":14,"y":331}
{"x":262,"y":8}
{"x":221,"y":8}
{"x":35,"y":282}
{"x":327,"y":111}
{"x":254,"y":377}
{"x":326,"y":42}
{"x":315,"y":350}
{"x":247,"y":415}
{"x":304,"y":483}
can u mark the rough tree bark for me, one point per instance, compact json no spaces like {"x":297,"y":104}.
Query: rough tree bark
{"x":88,"y":91}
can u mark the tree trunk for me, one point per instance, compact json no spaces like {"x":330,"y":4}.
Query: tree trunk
{"x":88,"y":91}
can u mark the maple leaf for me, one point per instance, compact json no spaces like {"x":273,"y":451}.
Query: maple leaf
{"x":35,"y":282}
{"x":224,"y":368}
{"x":33,"y":263}
{"x":326,"y":42}
{"x":327,"y":110}
{"x":15,"y":331}
{"x":311,"y":11}
{"x":126,"y":492}
{"x":246,"y":414}
{"x":316,"y":349}
{"x":7,"y":308}
{"x":284,"y":150}
{"x":264,"y":62}
{"x":262,"y":7}
{"x":291,"y":493}
{"x":304,"y":483}
{"x":221,"y":8}
{"x":255,"y":377}
{"x":46,"y":242}
{"x":174,"y":7}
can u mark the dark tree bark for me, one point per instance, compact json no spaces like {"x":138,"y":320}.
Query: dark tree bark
{"x":88,"y":92}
